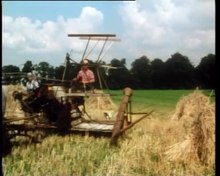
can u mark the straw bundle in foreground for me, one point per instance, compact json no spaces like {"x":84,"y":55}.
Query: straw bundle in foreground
{"x":196,"y":114}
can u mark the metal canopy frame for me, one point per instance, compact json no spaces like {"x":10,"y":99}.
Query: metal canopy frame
{"x":98,"y":37}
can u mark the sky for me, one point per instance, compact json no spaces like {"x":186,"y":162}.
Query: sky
{"x":37,"y":30}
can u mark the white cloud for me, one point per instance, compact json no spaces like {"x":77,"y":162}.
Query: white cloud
{"x":25,"y":36}
{"x":200,"y":38}
{"x":139,"y":23}
{"x":160,"y":28}
{"x":157,"y":29}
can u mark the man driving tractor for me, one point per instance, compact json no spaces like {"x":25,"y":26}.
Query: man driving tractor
{"x":84,"y":81}
{"x":85,"y":78}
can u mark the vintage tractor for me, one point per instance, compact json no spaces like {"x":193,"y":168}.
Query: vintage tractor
{"x":55,"y":109}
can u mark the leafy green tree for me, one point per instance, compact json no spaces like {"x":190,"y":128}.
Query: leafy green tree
{"x":8,"y":76}
{"x":141,"y":70}
{"x":120,"y":77}
{"x":180,"y":73}
{"x":66,"y":73}
{"x":10,"y":69}
{"x":205,"y":72}
{"x":45,"y":71}
{"x":158,"y":71}
{"x":28,"y":67}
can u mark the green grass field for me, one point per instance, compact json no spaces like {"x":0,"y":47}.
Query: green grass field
{"x":163,"y":102}
{"x":140,"y":152}
{"x":166,"y":98}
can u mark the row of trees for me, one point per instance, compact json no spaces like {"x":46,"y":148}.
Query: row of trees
{"x":176,"y":72}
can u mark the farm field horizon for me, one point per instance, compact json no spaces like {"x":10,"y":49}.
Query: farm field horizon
{"x":161,"y":101}
{"x":141,"y":150}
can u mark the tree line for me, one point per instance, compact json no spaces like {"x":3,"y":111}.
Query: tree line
{"x":177,"y":72}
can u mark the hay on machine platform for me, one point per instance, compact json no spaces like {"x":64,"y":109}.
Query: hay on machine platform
{"x":100,"y":106}
{"x":196,"y":115}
